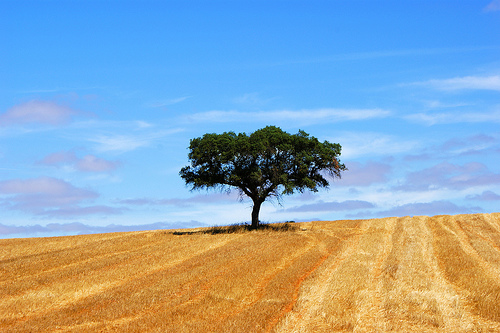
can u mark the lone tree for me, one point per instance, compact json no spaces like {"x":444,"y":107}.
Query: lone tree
{"x":269,"y":162}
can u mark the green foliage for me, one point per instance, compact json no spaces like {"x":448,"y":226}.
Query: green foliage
{"x":268,"y":162}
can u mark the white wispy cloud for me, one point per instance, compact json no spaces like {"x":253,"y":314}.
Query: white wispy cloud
{"x":121,"y":143}
{"x":449,"y":176}
{"x":87,"y":163}
{"x":485,"y":196}
{"x":118,"y":143}
{"x":357,"y":144}
{"x":493,"y":6}
{"x":306,"y":116}
{"x":37,"y":112}
{"x":427,"y":208}
{"x":435,"y":104}
{"x":58,"y":158}
{"x":213,"y":198}
{"x":71,"y":212}
{"x":332,"y":206}
{"x":91,"y":163}
{"x":455,"y":117}
{"x":491,"y":82}
{"x":470,"y":145}
{"x":479,"y":144}
{"x":254,"y":99}
{"x":364,"y":175}
{"x":143,"y":124}
{"x":167,"y":102}
{"x":50,"y":197}
{"x":37,"y":194}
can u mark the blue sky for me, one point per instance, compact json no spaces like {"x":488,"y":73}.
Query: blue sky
{"x":99,"y":99}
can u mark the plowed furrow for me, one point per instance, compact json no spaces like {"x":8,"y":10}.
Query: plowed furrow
{"x":461,"y":267}
{"x":301,"y":314}
{"x":100,"y":261}
{"x":370,"y":311}
{"x":190,"y":293}
{"x":260,"y":289}
{"x":111,"y":294}
{"x":46,"y":259}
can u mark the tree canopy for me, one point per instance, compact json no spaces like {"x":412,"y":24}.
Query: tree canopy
{"x":268,"y":162}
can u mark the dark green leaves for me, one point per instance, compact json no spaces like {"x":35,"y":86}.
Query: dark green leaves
{"x":267,"y":162}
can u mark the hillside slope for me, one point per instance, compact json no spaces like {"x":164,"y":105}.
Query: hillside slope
{"x":425,"y":274}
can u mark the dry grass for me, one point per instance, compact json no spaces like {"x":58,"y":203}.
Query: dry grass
{"x":239,"y":228}
{"x":420,"y":274}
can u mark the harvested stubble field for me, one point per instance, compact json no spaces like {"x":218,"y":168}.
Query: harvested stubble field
{"x":419,"y":274}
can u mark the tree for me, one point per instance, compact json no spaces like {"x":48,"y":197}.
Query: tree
{"x":269,"y":162}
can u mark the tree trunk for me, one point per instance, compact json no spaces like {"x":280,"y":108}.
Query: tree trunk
{"x":255,"y":214}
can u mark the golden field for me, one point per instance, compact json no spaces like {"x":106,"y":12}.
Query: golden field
{"x":409,"y":274}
